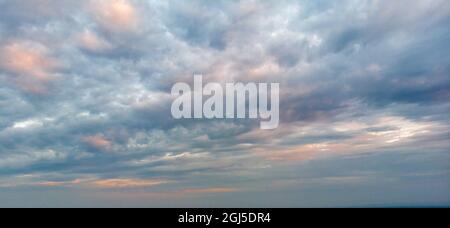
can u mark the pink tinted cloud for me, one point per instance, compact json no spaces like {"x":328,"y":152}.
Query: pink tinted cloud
{"x":395,"y":132}
{"x":115,"y":15}
{"x":90,"y":41}
{"x":98,"y":142}
{"x":207,"y":190}
{"x":126,"y":183}
{"x":121,"y":183}
{"x":28,"y":66}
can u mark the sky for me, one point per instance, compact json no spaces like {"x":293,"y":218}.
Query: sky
{"x":85,"y":98}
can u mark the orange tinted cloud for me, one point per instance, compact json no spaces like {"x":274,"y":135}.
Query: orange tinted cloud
{"x":104,"y":183}
{"x":295,"y":153}
{"x":126,"y":183}
{"x":115,"y":15}
{"x":61,"y":183}
{"x":208,"y":190}
{"x":383,"y":133}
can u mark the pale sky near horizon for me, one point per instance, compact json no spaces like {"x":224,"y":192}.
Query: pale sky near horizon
{"x":85,"y":103}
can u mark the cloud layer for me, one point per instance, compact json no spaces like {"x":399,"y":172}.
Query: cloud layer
{"x":85,"y":103}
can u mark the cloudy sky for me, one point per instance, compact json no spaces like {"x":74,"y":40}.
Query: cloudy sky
{"x":85,"y":103}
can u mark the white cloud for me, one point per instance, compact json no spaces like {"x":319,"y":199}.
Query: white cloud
{"x":27,"y":159}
